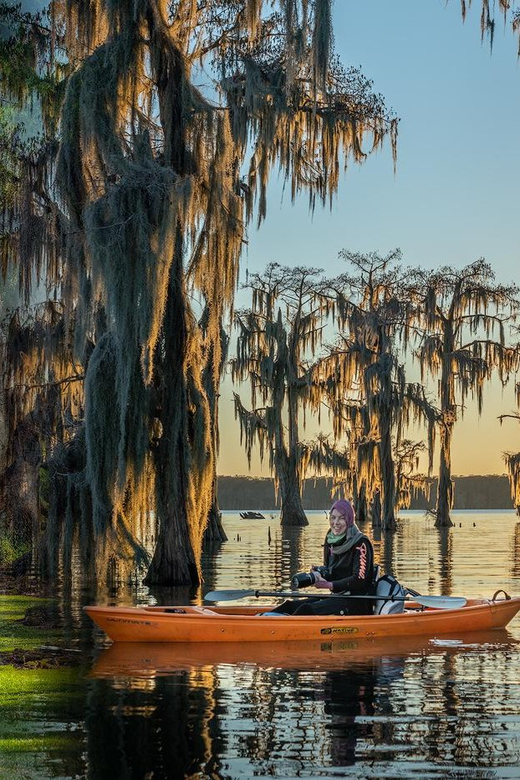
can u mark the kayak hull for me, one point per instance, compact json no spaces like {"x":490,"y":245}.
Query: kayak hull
{"x":247,"y":624}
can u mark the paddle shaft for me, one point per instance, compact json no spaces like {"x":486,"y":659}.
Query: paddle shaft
{"x":299,"y":595}
{"x":228,"y":595}
{"x":445,"y":602}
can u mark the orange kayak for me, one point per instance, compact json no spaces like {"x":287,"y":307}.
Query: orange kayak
{"x":248,"y":624}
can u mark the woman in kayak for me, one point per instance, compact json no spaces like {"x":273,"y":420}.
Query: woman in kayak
{"x":348,"y":558}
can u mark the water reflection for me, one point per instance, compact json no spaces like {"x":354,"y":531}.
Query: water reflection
{"x":348,"y":703}
{"x":515,"y":552}
{"x":148,"y":660}
{"x":445,"y":560}
{"x":237,"y":720}
{"x":440,"y":708}
{"x":157,"y":728}
{"x":387,"y":559}
{"x":300,"y":709}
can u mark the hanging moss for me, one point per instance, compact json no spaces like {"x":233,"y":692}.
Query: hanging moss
{"x":151,"y":204}
{"x":371,"y":400}
{"x":278,"y":338}
{"x":463,"y":317}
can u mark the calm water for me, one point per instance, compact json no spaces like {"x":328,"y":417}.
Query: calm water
{"x":447,"y":708}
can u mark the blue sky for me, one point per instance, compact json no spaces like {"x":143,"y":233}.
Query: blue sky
{"x":453,"y":197}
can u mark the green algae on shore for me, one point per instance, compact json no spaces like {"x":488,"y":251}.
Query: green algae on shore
{"x":38,"y":685}
{"x":14,"y":634}
{"x":34,"y":734}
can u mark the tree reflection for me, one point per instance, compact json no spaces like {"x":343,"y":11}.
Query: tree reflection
{"x":348,"y":696}
{"x":388,"y":554}
{"x":445,"y":560}
{"x":515,"y":569}
{"x":161,"y":727}
{"x":298,"y":554}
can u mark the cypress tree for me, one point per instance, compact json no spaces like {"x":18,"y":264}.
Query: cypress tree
{"x":156,"y":182}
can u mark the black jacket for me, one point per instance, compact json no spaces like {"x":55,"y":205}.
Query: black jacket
{"x":350,"y":564}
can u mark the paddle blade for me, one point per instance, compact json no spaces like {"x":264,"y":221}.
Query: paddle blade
{"x":228,"y":595}
{"x":441,"y":602}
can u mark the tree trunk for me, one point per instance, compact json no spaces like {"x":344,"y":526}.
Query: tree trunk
{"x":360,"y":502}
{"x":375,"y":510}
{"x":173,"y":562}
{"x":288,"y":471}
{"x":214,"y":532}
{"x":388,"y":554}
{"x":445,"y":487}
{"x":19,"y":486}
{"x":291,"y":512}
{"x":183,"y":455}
{"x":388,"y":490}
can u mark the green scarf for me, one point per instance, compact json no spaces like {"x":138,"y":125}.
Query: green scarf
{"x":333,"y":538}
{"x":351,"y":537}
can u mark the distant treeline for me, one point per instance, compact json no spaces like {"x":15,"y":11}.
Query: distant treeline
{"x":472,"y":492}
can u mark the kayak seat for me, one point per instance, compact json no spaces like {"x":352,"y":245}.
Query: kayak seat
{"x":272,"y":614}
{"x":180,"y":611}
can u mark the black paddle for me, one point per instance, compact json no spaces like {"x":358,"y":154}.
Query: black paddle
{"x":439,"y":602}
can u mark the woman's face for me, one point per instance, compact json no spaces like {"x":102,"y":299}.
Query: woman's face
{"x":338,"y":522}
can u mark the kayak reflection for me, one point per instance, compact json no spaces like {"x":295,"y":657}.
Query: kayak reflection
{"x":150,"y":659}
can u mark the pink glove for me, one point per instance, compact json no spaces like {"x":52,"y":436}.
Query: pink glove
{"x":323,"y":585}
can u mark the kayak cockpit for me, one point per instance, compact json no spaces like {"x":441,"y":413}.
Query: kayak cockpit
{"x":249,"y":610}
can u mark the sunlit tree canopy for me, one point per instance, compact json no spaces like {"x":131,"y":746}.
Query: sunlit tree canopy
{"x":172,"y":117}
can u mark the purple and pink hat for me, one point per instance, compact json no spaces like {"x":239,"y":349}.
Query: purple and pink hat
{"x":346,"y":509}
